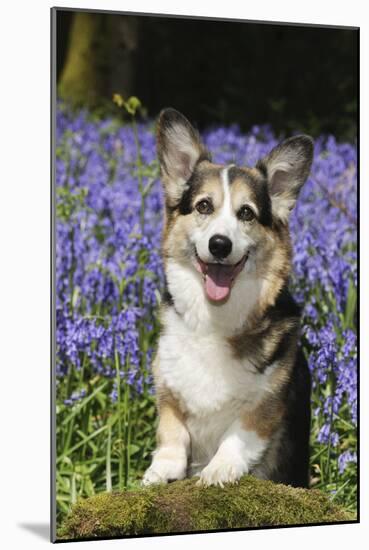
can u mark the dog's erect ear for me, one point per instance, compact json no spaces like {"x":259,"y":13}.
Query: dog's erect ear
{"x":286,"y":168}
{"x":179,"y":149}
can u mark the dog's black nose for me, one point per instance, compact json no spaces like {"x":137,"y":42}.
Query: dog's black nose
{"x":220,"y":246}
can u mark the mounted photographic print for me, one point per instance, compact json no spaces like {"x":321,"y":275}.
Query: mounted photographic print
{"x":204,"y":276}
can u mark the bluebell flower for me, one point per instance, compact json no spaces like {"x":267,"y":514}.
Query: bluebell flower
{"x":345,"y":458}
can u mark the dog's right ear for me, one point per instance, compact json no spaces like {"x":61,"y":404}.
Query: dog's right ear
{"x":179,"y":150}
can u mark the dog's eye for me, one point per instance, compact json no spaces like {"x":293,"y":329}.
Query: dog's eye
{"x":204,"y":207}
{"x":245,"y":214}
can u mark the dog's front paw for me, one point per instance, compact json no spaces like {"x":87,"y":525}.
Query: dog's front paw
{"x":151,"y":477}
{"x":163,"y":470}
{"x":219,"y":472}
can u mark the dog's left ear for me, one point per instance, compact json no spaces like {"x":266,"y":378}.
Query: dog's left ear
{"x":286,"y":168}
{"x":179,"y":149}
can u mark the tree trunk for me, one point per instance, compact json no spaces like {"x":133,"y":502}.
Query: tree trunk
{"x":100,"y":58}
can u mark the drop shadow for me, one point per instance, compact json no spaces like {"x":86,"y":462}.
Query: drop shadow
{"x":42,"y":530}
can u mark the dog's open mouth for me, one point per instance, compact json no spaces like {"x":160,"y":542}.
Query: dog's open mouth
{"x":219,"y":278}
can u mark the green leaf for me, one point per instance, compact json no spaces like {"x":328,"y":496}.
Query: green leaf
{"x":350,"y":310}
{"x":132,"y":449}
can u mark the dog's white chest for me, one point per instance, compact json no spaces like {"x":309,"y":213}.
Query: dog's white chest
{"x":211,"y":385}
{"x":202,"y":372}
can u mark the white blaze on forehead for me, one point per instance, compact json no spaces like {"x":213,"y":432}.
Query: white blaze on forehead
{"x":227,"y":204}
{"x":226,"y":221}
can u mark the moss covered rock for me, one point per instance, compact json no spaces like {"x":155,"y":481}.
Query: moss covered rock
{"x":182,"y":506}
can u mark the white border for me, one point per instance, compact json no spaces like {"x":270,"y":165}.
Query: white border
{"x":25,"y":265}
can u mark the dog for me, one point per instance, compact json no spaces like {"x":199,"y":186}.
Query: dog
{"x":232,"y":384}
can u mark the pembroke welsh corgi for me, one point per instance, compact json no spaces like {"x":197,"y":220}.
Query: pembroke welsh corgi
{"x":232,"y":384}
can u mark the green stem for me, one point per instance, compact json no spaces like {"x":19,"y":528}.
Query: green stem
{"x":330,"y":424}
{"x":141,"y":191}
{"x":120,"y":441}
{"x":72,"y":270}
{"x":139,"y":173}
{"x":127,"y":431}
{"x":108,"y":462}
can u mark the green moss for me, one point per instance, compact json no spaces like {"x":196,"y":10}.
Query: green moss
{"x":183,"y":506}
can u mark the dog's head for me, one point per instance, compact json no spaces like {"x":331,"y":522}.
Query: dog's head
{"x":227,"y":223}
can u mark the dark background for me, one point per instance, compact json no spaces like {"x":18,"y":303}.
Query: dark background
{"x":215,"y":72}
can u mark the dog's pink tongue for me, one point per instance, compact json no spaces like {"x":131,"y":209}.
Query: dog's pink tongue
{"x":218,"y":281}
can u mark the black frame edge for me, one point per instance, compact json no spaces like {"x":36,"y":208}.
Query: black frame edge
{"x":53,"y":12}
